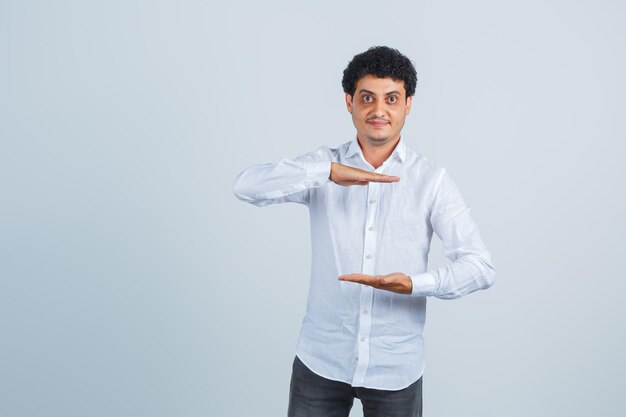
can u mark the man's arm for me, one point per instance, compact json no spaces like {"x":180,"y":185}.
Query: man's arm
{"x":290,"y":180}
{"x":471,"y":268}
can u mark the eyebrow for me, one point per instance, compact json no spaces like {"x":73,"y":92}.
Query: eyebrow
{"x":363,"y":90}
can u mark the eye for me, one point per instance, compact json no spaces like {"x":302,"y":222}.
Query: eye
{"x":392,"y":99}
{"x":368,"y":99}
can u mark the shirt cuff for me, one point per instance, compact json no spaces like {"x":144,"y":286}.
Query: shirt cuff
{"x":424,"y":284}
{"x":317,"y":173}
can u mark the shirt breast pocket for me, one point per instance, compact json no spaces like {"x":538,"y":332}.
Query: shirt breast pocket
{"x":407,"y":231}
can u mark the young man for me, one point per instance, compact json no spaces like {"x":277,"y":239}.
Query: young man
{"x":374,"y":204}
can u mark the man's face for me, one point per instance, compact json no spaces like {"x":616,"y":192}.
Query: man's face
{"x":378,"y":108}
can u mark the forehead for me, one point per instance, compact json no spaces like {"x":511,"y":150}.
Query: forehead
{"x":379,"y":85}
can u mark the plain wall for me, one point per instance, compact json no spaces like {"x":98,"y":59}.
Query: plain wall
{"x":133,"y":282}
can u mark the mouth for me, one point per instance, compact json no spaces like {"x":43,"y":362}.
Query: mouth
{"x":377,"y":123}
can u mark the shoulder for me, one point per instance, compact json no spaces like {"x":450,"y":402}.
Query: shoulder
{"x":324,"y":153}
{"x":425,"y":167}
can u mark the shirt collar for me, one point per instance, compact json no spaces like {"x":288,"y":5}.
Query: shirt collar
{"x":354,"y":148}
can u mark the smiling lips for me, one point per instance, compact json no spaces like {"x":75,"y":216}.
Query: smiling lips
{"x":377,"y":123}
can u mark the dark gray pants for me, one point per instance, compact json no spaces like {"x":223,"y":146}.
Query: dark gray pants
{"x":311,"y":395}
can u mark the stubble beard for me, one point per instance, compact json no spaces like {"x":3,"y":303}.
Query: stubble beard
{"x":379,"y":140}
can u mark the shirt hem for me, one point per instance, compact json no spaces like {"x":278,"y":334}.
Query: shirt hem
{"x":419,"y":375}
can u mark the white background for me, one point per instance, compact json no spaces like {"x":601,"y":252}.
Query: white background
{"x":133,"y":282}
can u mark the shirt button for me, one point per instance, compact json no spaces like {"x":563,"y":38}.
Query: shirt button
{"x":364,"y":311}
{"x":317,"y":184}
{"x":372,"y":201}
{"x":368,"y":257}
{"x":371,"y":229}
{"x":356,"y":358}
{"x":362,"y":339}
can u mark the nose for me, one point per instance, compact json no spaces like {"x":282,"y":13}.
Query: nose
{"x":379,"y":110}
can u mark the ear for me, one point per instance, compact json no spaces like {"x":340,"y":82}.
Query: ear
{"x":409,"y":100}
{"x":349,"y":102}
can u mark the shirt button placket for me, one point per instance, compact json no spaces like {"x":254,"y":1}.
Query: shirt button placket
{"x":369,"y":263}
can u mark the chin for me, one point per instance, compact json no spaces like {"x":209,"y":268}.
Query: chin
{"x":378,"y":138}
{"x":377,"y":141}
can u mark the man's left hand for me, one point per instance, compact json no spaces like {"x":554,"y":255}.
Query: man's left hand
{"x":394,"y":282}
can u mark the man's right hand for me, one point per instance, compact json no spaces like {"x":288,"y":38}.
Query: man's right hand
{"x":347,"y":175}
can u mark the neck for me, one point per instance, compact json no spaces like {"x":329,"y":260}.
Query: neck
{"x":375,"y":155}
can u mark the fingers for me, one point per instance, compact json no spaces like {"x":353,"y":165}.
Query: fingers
{"x":361,"y":278}
{"x":348,"y":175}
{"x":395,"y":282}
{"x":378,"y":281}
{"x":373,"y":177}
{"x":369,"y":176}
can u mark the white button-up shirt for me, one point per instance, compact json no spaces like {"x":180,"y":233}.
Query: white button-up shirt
{"x":352,"y":332}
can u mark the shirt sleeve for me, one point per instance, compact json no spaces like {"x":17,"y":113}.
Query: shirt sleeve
{"x":288,"y":180}
{"x":471,"y":268}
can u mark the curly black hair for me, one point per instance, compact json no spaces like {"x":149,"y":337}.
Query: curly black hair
{"x":380,"y":61}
